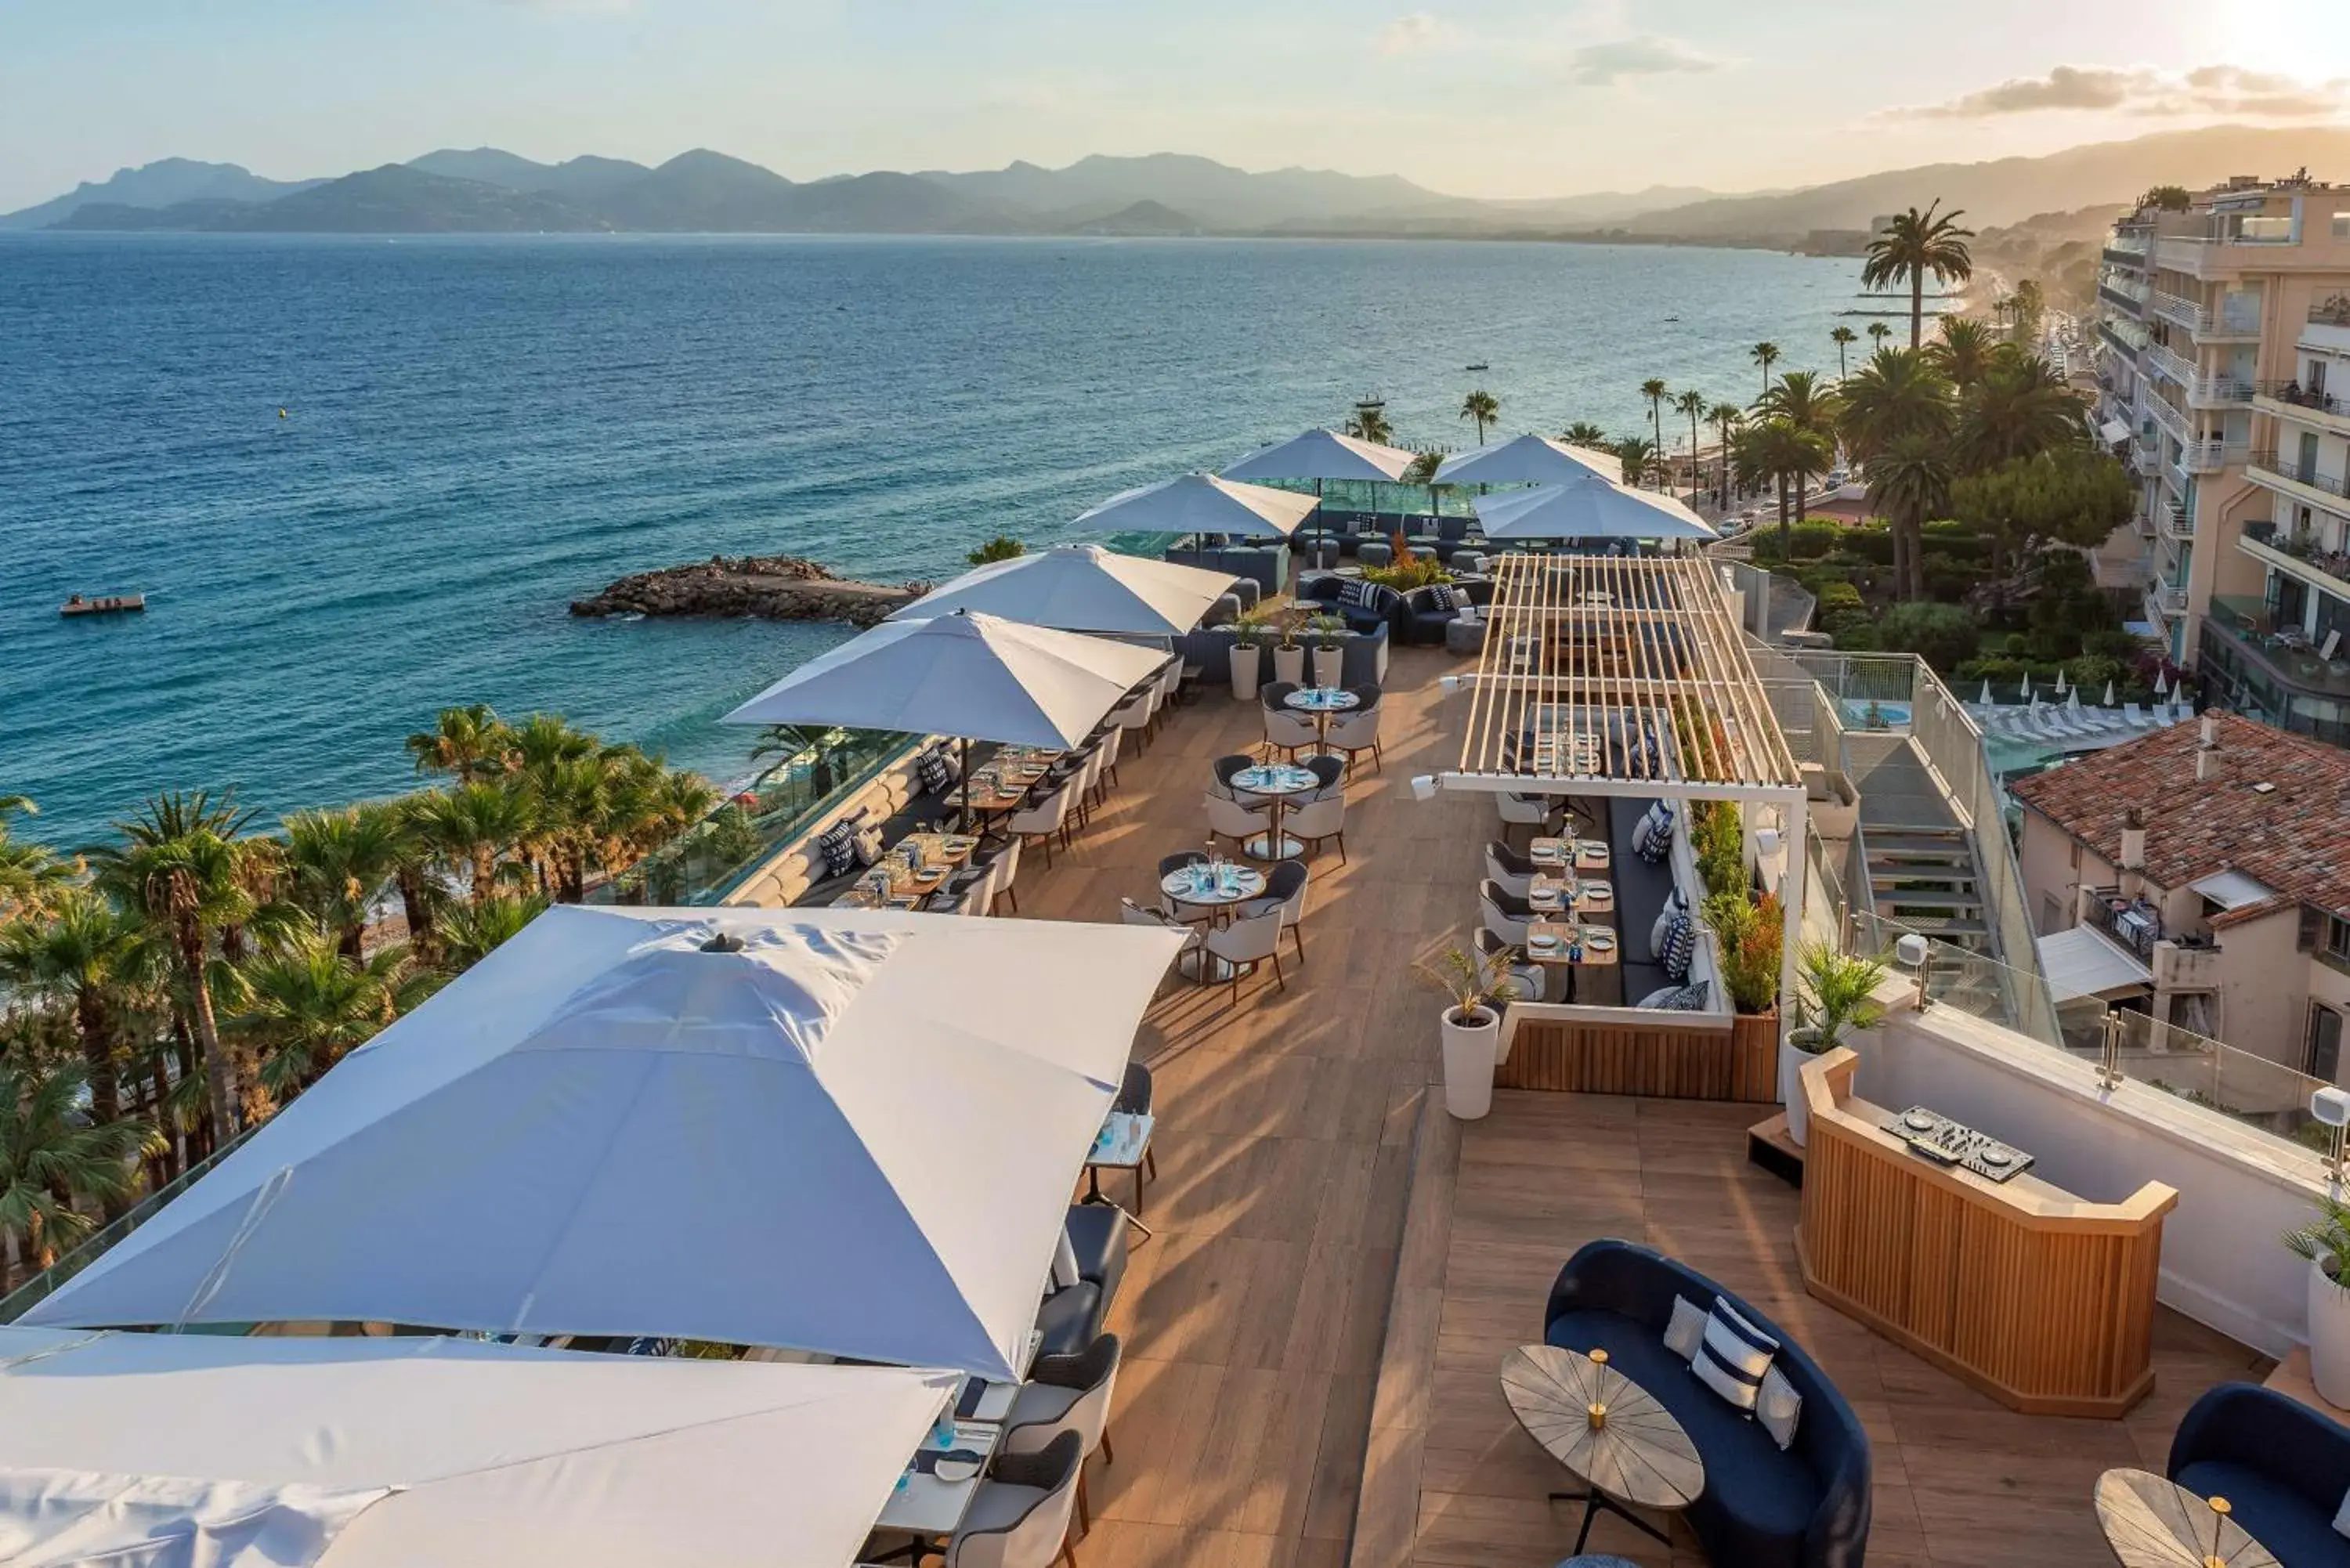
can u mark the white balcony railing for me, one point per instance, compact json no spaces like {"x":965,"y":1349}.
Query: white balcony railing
{"x":2212,"y":456}
{"x":2170,"y":418}
{"x":2176,"y":366}
{"x":2175,"y":308}
{"x":2217,"y":392}
{"x":2175,"y":523}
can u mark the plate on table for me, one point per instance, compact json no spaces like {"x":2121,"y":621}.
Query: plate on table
{"x":1599,"y":939}
{"x":1543,"y":943}
{"x":957,"y":1467}
{"x":1547,"y":854}
{"x":904,"y":901}
{"x":1595,"y":853}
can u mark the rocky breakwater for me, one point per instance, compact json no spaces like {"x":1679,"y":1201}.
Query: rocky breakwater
{"x":768,"y":587}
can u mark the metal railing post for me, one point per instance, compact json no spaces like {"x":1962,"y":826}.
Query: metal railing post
{"x":2109,"y":1057}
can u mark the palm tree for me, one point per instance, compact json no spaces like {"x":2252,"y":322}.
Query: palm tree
{"x":308,"y":1005}
{"x":29,"y":872}
{"x":1482,"y":409}
{"x":476,"y":826}
{"x":1799,"y":397}
{"x":1655,"y":391}
{"x":1877,"y":333}
{"x":82,"y":954}
{"x":1963,"y":352}
{"x":1900,"y":392}
{"x":1765,"y":353}
{"x":1780,"y":453}
{"x":1913,"y":244}
{"x":2017,"y":408}
{"x":1582,"y":432}
{"x":2030,"y":304}
{"x":470,"y":742}
{"x":1692,"y":403}
{"x":1910,"y":482}
{"x":1843,"y":337}
{"x":51,"y":1154}
{"x":339,"y":861}
{"x":181,"y":864}
{"x":472,"y":932}
{"x":1638,"y":454}
{"x":415,"y":871}
{"x":1725,"y":418}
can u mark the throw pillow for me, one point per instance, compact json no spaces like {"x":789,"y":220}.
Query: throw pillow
{"x":1680,"y":947}
{"x":933,"y":770}
{"x":1688,"y":1327}
{"x":1690,"y":998}
{"x":1778,"y":1407}
{"x":838,"y":846}
{"x":1352,"y":590}
{"x":1675,"y":904}
{"x":1733,"y":1356}
{"x":868,"y":845}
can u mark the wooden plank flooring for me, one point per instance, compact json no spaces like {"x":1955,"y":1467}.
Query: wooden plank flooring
{"x":1335,"y":1277}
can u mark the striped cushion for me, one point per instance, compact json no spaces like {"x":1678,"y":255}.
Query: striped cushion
{"x":1652,"y":840}
{"x":1675,"y":903}
{"x":1733,"y":1356}
{"x":837,"y":845}
{"x":1680,"y":947}
{"x":933,"y":771}
{"x":1352,"y":590}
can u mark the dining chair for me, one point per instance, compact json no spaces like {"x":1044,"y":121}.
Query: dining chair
{"x":1135,"y":1094}
{"x":1284,"y":890}
{"x":1225,"y":767}
{"x":1287,"y":729}
{"x":1500,"y":962}
{"x":1507,"y":869}
{"x":1539,"y":811}
{"x":1113,"y":741}
{"x":1230,"y":819}
{"x":1000,"y":873}
{"x":1134,"y":718}
{"x":1318,"y":822}
{"x":1019,"y":1516}
{"x":1357,"y":731}
{"x":1329,"y":775}
{"x":1046,"y":819}
{"x":1068,"y":1394}
{"x":1508,"y":918}
{"x":1170,"y":684}
{"x":1189,"y":914}
{"x":1244,"y":943}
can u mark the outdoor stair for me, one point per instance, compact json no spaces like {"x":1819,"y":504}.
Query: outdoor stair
{"x":1926,"y":878}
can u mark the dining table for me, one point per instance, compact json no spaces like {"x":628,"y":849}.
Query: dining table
{"x":1321,"y":701}
{"x":1276,"y":783}
{"x":1571,"y":946}
{"x":1583,"y":854}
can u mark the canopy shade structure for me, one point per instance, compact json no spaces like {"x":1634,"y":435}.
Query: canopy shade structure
{"x":1530,"y":460}
{"x":1324,"y":454}
{"x":2081,"y":960}
{"x":970,"y":675}
{"x":2114,"y":432}
{"x":1082,"y":587}
{"x":1588,"y":509}
{"x":1203,"y":503}
{"x":1619,"y":675}
{"x":178,"y":1450}
{"x":857,"y":1134}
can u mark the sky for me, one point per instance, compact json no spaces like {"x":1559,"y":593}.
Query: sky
{"x":1479,"y":98}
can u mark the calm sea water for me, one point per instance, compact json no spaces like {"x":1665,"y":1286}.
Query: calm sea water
{"x":480,"y":429}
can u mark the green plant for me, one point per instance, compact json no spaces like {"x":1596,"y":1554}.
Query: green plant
{"x":1251,"y":630}
{"x":1940,"y":634}
{"x":1747,"y":933}
{"x":2326,"y":1239}
{"x":1718,"y":836}
{"x":1002,"y":547}
{"x":1407,"y":572}
{"x":1470,"y":982}
{"x":1839,"y":992}
{"x":1326,"y":631}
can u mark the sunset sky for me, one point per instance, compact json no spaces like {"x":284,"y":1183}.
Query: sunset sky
{"x":1488,"y":98}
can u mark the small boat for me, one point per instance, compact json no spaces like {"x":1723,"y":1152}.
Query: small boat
{"x":1480,"y":365}
{"x":104,"y":604}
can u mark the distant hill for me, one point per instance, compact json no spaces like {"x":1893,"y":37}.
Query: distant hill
{"x":153,"y":186}
{"x":393,"y":200}
{"x":1143,"y":218}
{"x":2010,"y":190}
{"x":575,"y":178}
{"x":1216,"y":194}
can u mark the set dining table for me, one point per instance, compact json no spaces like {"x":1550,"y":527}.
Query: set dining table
{"x":1217,"y":887}
{"x":1003,"y":786}
{"x":916,"y":866}
{"x":1321,"y":701}
{"x":936,"y":1488}
{"x":1276,"y":783}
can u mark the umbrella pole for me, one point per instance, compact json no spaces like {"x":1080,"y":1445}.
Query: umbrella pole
{"x":963,"y":754}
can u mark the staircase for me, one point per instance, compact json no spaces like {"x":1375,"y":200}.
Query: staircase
{"x":1926,"y":878}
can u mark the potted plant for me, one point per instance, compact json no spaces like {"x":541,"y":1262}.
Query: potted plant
{"x":1329,"y":654}
{"x":1289,"y":654}
{"x":1248,"y":654}
{"x":2325,"y":1243}
{"x":1839,"y":998}
{"x":1471,"y":1025}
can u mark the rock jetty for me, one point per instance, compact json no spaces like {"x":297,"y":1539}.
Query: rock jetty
{"x":767,"y":587}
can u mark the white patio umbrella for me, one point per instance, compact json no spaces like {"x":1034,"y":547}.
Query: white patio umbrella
{"x":2073,"y":699}
{"x":2162,"y":683}
{"x":1081,"y":587}
{"x":852,"y":1132}
{"x":1530,"y":460}
{"x":1986,"y":701}
{"x":169,"y":1450}
{"x":1323,"y":455}
{"x":1203,"y":503}
{"x":974,"y":677}
{"x":2109,"y":695}
{"x":2060,"y":681}
{"x":2027,"y":687}
{"x":1588,"y":509}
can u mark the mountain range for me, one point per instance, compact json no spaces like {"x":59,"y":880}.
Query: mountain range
{"x":485,"y":190}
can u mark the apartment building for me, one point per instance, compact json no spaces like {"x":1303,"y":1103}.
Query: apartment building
{"x":2207,"y":322}
{"x":2201,"y":873}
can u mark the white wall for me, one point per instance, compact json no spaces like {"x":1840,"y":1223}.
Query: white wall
{"x":2223,"y":1263}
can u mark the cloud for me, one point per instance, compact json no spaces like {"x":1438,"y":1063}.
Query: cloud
{"x":1604,"y":64}
{"x":1410,"y":35}
{"x":2140,"y":90}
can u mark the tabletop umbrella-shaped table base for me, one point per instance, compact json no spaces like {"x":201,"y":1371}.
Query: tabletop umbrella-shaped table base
{"x":1605,"y":1428}
{"x":2151,"y":1523}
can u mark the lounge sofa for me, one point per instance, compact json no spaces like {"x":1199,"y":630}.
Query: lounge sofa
{"x":1423,"y":615}
{"x":1379,"y":607}
{"x":2282,"y":1466}
{"x":1808,"y":1507}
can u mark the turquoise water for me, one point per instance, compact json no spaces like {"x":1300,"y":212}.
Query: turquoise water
{"x":480,"y":429}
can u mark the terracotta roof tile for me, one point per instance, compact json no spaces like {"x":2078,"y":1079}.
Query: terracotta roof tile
{"x":2295,"y":837}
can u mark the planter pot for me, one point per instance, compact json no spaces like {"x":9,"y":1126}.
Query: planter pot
{"x":1244,"y":667}
{"x":1792,"y":1057}
{"x":1329,"y":666}
{"x":1289,"y":664}
{"x":2329,"y":1336}
{"x":1468,"y":1051}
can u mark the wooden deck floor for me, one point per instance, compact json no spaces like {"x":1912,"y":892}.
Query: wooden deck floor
{"x":1302,"y":1190}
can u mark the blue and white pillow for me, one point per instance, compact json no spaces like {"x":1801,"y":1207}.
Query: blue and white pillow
{"x":1652,"y":838}
{"x":931,"y":768}
{"x":1351,"y":592}
{"x":1732,"y":1357}
{"x":1677,"y":998}
{"x":1679,"y":948}
{"x":837,"y":845}
{"x":1685,"y":1329}
{"x":1675,"y":903}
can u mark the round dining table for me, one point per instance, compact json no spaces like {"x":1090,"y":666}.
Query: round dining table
{"x":1321,"y":701}
{"x":1275,"y":783}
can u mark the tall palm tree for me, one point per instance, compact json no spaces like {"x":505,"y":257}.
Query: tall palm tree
{"x":1899,"y":396}
{"x":50,"y":1154}
{"x":1582,"y":432}
{"x":307,"y":1003}
{"x":1877,"y":333}
{"x":1656,"y":391}
{"x":1963,"y":350}
{"x":1780,"y":452}
{"x":339,"y":862}
{"x":474,"y":931}
{"x":1910,"y":482}
{"x":1369,"y":422}
{"x":2030,"y":303}
{"x":1725,"y":418}
{"x":1843,"y":337}
{"x":1801,"y":398}
{"x":83,"y":953}
{"x":477,"y":826}
{"x":181,"y":864}
{"x":29,"y":872}
{"x":1482,"y":409}
{"x":1765,"y":353}
{"x":415,"y":871}
{"x":1913,"y":244}
{"x":469,"y":743}
{"x":2017,"y":408}
{"x":1639,"y":456}
{"x":1693,"y":403}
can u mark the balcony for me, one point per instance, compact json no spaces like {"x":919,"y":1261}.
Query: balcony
{"x":2175,"y":308}
{"x":2170,"y":418}
{"x":2128,"y":250}
{"x":2283,"y":653}
{"x":2217,"y":392}
{"x":2234,"y":318}
{"x":2164,"y":603}
{"x":2175,"y":523}
{"x":2302,"y":481}
{"x":2124,"y":294}
{"x":2126,"y":338}
{"x":2209,"y":457}
{"x":2301,"y":554}
{"x":2146,"y":458}
{"x":2168,"y":362}
{"x":2287,"y":401}
{"x":2183,"y":965}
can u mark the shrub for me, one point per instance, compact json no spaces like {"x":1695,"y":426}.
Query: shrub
{"x":1940,"y":634}
{"x":1718,"y":840}
{"x":1002,"y":547}
{"x":1814,"y":539}
{"x":1840,"y":606}
{"x":1748,"y":933}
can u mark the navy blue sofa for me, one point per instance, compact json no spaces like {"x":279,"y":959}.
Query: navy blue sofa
{"x":2282,"y":1466}
{"x":1806,"y":1507}
{"x":1379,"y":611}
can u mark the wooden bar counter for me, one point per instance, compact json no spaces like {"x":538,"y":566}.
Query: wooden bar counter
{"x":2038,"y":1299}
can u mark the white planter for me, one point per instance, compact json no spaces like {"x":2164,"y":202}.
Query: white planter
{"x":1329,"y":664}
{"x":1792,"y":1059}
{"x":1245,"y":661}
{"x":1289,"y":664}
{"x":1469,"y":1050}
{"x":2329,"y":1336}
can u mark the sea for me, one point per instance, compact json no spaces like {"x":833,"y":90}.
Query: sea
{"x":361,"y":479}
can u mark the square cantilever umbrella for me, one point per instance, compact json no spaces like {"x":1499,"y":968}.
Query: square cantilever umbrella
{"x":1588,"y":509}
{"x":1203,"y":503}
{"x":1530,"y":460}
{"x":1081,"y":587}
